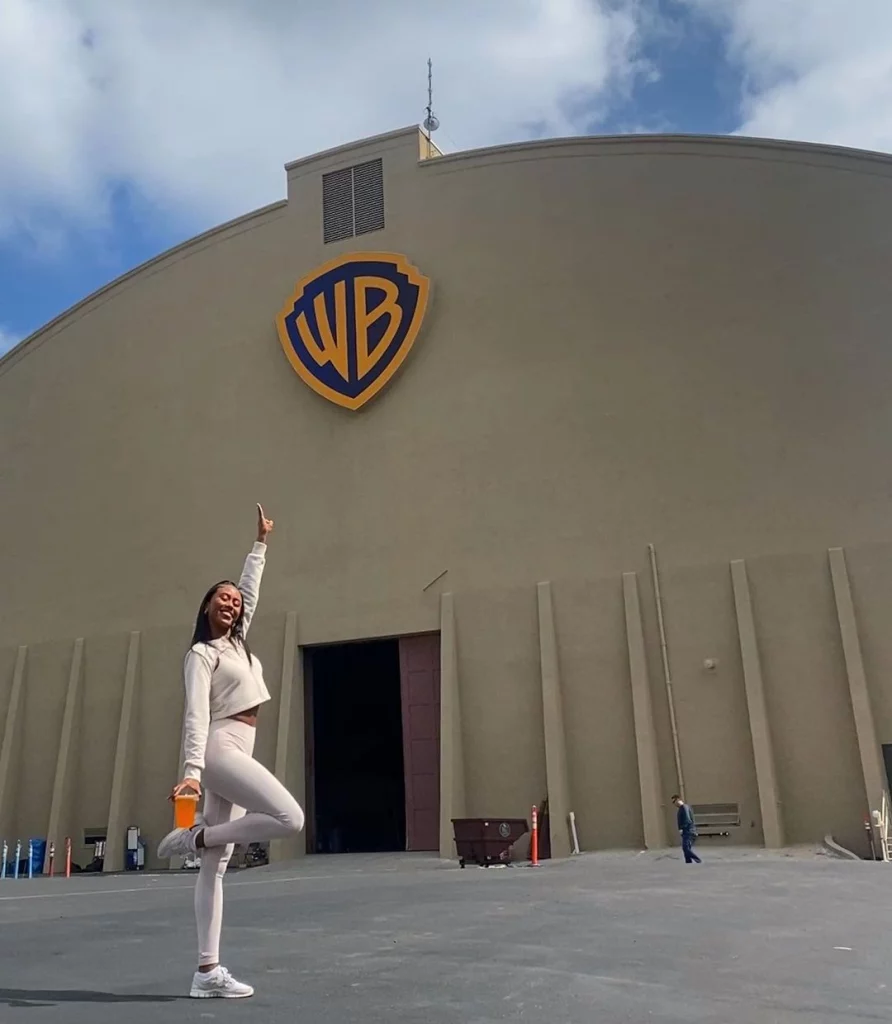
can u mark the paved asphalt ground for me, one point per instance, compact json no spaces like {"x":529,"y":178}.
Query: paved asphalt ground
{"x":609,"y":938}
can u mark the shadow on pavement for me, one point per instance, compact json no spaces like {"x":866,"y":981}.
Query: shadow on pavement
{"x":37,"y":997}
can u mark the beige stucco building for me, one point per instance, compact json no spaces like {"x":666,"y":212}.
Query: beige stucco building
{"x":678,"y":342}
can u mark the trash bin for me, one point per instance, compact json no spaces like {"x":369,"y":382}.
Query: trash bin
{"x":482,"y":840}
{"x":38,"y":855}
{"x":135,"y":852}
{"x":135,"y":860}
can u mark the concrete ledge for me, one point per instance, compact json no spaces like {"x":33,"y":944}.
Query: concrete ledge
{"x":835,"y":850}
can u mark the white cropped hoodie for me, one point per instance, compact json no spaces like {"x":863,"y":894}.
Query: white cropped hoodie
{"x":220,"y":679}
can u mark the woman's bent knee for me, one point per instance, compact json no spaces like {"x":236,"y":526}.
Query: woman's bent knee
{"x":292,"y":817}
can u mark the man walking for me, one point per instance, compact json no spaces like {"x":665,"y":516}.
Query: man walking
{"x":688,"y":829}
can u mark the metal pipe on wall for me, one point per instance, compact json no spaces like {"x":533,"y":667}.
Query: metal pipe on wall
{"x":667,"y":675}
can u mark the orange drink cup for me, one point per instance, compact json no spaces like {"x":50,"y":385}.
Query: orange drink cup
{"x":184,"y":808}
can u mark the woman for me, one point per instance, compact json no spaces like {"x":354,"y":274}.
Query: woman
{"x":243,"y":802}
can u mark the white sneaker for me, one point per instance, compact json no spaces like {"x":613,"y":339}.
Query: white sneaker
{"x":218,"y":984}
{"x":179,"y":843}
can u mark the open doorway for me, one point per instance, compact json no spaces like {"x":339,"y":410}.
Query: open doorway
{"x":355,"y":742}
{"x":373,"y":745}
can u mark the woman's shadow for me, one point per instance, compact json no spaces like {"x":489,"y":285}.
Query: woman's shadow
{"x":18,"y":997}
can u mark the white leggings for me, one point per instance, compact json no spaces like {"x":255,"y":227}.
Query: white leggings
{"x":243,"y":803}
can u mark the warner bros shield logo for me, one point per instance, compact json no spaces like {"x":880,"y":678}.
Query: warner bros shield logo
{"x":350,"y":324}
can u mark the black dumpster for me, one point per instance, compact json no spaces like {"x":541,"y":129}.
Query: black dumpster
{"x":482,"y":840}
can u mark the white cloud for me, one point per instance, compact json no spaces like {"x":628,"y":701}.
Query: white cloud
{"x":7,"y":340}
{"x":199,"y":104}
{"x":816,"y":70}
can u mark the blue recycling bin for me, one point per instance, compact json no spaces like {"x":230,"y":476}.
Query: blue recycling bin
{"x":38,"y":855}
{"x":135,"y":853}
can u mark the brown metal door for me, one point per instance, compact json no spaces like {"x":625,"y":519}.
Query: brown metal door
{"x":420,"y":684}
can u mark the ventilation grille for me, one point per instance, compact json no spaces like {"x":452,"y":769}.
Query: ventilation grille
{"x":353,"y":201}
{"x":368,"y":197}
{"x":337,"y":205}
{"x":716,"y":814}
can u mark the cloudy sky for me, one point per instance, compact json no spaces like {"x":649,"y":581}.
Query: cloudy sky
{"x":127,"y":126}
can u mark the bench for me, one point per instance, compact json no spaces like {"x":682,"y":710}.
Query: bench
{"x":716,"y":819}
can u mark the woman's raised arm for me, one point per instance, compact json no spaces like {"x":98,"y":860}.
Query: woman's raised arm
{"x":249,"y":582}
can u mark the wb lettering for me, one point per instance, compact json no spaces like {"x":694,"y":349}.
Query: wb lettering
{"x":332,"y":344}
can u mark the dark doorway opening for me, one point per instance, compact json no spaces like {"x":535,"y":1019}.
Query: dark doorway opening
{"x":887,"y":759}
{"x":355,"y":748}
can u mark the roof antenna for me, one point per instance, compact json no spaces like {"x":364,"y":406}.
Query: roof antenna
{"x":431,"y":122}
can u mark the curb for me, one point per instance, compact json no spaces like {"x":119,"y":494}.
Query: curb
{"x":835,"y":850}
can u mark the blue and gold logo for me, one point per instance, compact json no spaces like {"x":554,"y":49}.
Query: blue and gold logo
{"x":350,"y":324}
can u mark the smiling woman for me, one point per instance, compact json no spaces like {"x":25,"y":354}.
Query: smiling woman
{"x":243,"y":802}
